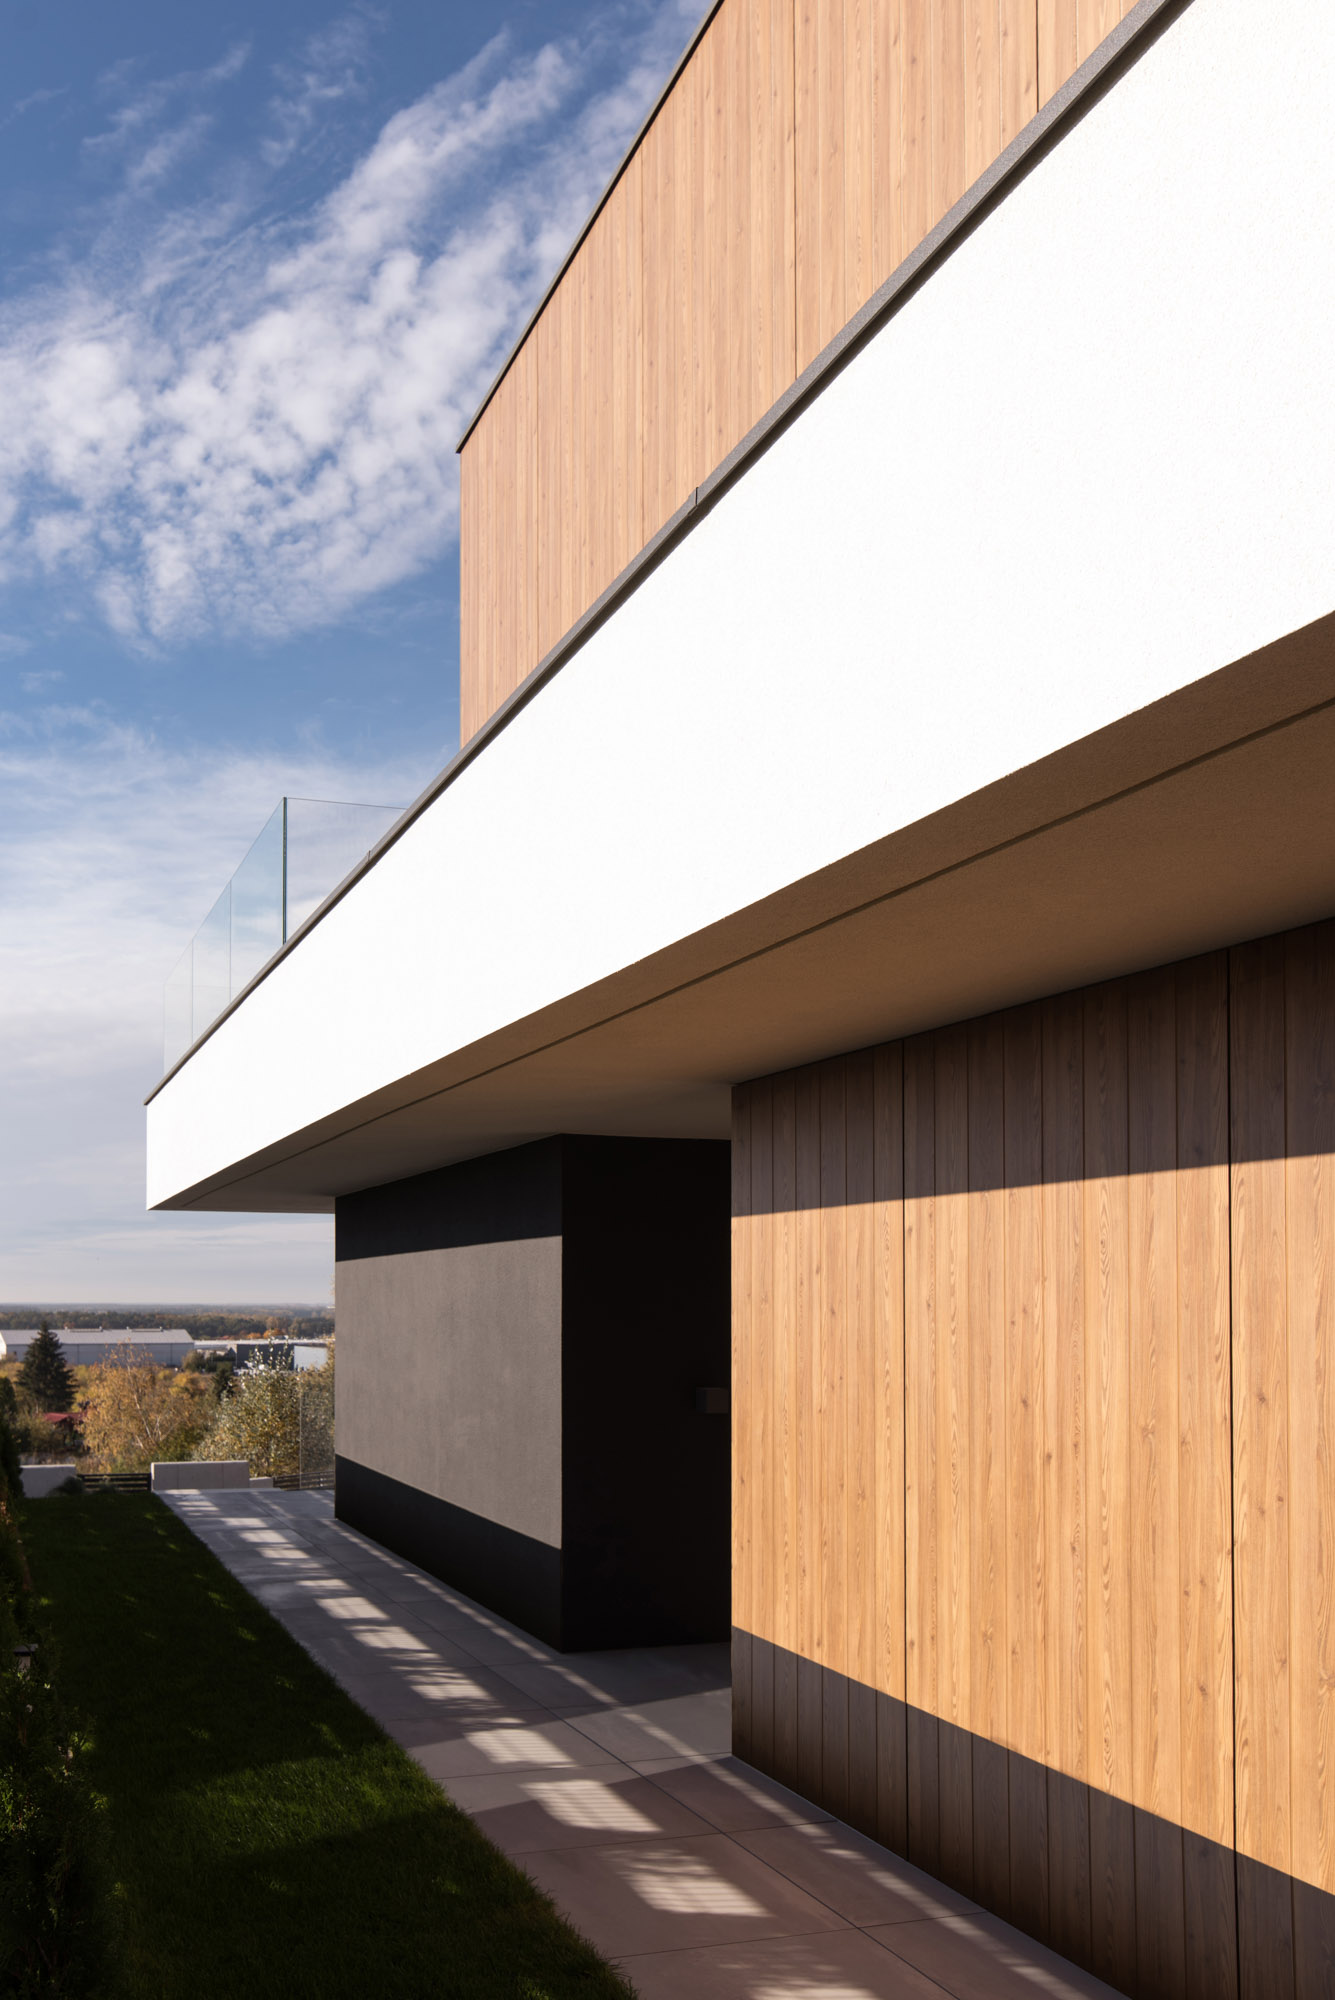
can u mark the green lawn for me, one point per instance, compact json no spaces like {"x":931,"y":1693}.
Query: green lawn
{"x":263,"y":1835}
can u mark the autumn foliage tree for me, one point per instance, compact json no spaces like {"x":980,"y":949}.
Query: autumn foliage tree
{"x":137,"y":1412}
{"x":259,"y":1420}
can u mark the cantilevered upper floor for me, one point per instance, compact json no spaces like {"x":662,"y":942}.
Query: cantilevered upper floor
{"x":999,"y":658}
{"x":803,"y":150}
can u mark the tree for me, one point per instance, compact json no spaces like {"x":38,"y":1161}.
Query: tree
{"x":45,"y":1376}
{"x":137,"y":1412}
{"x":259,"y":1421}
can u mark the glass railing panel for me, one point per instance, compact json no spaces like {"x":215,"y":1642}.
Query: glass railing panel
{"x":257,"y":904}
{"x":213,"y":963}
{"x":178,"y":1027}
{"x":303,"y":850}
{"x":325,"y":840}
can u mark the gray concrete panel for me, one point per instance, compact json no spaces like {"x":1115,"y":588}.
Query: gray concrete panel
{"x":450,"y":1376}
{"x":200,"y":1474}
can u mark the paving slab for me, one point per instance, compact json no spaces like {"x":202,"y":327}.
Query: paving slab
{"x":729,"y":1794}
{"x":978,"y":1957}
{"x":609,"y":1778}
{"x":584,"y":1807}
{"x":642,"y":1896}
{"x":533,"y":1743}
{"x":832,"y":1965}
{"x":854,"y":1875}
{"x":685,"y":1724}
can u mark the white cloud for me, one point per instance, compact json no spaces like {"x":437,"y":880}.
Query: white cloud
{"x":221,"y":421}
{"x":141,"y":105}
{"x":329,"y":69}
{"x":168,"y":150}
{"x":250,"y":425}
{"x":114,"y":848}
{"x":32,"y":102}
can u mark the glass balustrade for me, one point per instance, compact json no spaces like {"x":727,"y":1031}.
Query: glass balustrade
{"x":303,"y":850}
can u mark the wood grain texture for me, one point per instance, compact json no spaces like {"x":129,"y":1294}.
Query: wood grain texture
{"x":1205,"y":1416}
{"x":1065,"y":1664}
{"x":954,"y":1435}
{"x":1058,"y":45}
{"x":805,"y":150}
{"x":1063,"y":1416}
{"x":810,"y":1568}
{"x":861,"y":1469}
{"x":744,"y":1607}
{"x":1048,"y":1306}
{"x":787,"y":1380}
{"x":949,"y":105}
{"x":831,"y":1442}
{"x":1156,"y":1667}
{"x":986,"y":1346}
{"x":1261,"y":1698}
{"x":887,"y":1579}
{"x":1310,"y":1213}
{"x":980,"y":85}
{"x":922,"y":1500}
{"x":1109,"y":1457}
{"x":766,"y":1552}
{"x":986,"y":1329}
{"x":1026,"y":1581}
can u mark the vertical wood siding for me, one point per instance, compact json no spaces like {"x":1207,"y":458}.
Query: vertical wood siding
{"x":806,"y":149}
{"x":1038,"y":1322}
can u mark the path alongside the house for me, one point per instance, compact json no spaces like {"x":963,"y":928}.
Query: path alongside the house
{"x":607,"y":1777}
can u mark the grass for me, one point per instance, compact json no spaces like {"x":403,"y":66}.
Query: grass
{"x":264,"y":1837}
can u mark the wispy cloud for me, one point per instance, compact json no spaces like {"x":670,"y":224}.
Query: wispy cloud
{"x":32,"y":102}
{"x":249,"y":426}
{"x":168,"y":151}
{"x":330,"y":69}
{"x":139,"y":106}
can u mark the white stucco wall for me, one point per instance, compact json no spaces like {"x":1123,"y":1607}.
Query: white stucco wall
{"x":1090,"y":462}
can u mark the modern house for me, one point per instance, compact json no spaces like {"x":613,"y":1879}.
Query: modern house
{"x":894,"y":830}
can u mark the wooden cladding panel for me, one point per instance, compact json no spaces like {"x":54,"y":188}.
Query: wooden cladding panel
{"x":1039,"y":1313}
{"x":1310,"y":1091}
{"x":1205,"y":1447}
{"x":1283,"y":1120}
{"x":1018,"y":67}
{"x":887,"y":1528}
{"x":818,"y":1296}
{"x":806,"y":149}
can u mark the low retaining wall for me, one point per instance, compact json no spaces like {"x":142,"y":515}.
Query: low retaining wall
{"x":39,"y":1480}
{"x":206,"y":1473}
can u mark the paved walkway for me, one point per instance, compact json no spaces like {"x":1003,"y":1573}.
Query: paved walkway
{"x":607,"y":1777}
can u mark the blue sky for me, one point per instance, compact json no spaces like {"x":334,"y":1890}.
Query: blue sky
{"x":257,"y":266}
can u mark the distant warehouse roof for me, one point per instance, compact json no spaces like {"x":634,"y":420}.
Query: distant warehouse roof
{"x":86,"y":1344}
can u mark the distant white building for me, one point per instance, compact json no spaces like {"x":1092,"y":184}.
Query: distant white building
{"x":168,"y":1346}
{"x":274,"y":1351}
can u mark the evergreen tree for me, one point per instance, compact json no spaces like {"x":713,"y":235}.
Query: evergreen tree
{"x":44,"y":1374}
